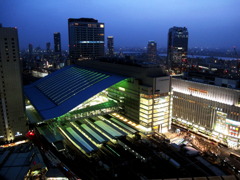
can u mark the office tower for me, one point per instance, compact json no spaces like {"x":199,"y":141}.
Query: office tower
{"x":30,"y":49}
{"x":57,"y":42}
{"x":177,"y":48}
{"x":48,"y":45}
{"x":152,"y":51}
{"x":110,"y":45}
{"x":13,"y":122}
{"x":86,"y":38}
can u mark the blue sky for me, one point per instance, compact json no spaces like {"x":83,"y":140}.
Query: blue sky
{"x":211,"y":23}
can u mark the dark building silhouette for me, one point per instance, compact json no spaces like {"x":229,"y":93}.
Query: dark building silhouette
{"x":57,"y":42}
{"x":86,"y":38}
{"x":30,"y":49}
{"x":152,"y":51}
{"x":12,"y":118}
{"x":110,"y":45}
{"x":177,"y":48}
{"x":48,"y":46}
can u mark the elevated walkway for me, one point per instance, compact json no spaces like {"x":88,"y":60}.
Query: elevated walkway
{"x":99,"y":109}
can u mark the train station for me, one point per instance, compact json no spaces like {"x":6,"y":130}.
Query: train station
{"x":88,"y":108}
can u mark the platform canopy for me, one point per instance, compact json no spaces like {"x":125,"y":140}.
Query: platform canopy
{"x":63,"y":90}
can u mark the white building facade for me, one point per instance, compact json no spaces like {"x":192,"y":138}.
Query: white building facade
{"x":207,"y":109}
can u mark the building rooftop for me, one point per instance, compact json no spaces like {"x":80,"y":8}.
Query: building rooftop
{"x":63,"y":90}
{"x":144,"y":74}
{"x":212,"y":78}
{"x":82,"y":20}
{"x":16,"y":161}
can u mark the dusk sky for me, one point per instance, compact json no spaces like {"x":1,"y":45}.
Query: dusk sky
{"x":211,"y":23}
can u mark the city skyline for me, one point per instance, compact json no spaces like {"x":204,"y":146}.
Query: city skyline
{"x":211,"y":24}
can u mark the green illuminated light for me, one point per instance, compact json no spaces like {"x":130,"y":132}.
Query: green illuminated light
{"x":121,"y":88}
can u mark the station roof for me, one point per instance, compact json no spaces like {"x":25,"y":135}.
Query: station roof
{"x":63,"y":90}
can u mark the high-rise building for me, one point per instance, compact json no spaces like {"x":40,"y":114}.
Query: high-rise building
{"x":48,"y":45}
{"x":30,"y":49}
{"x":177,"y":48}
{"x":86,"y":38}
{"x":110,"y":45}
{"x":13,"y":121}
{"x":152,"y":51}
{"x":57,"y":42}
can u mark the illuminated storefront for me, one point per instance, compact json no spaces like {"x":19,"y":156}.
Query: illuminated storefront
{"x":155,"y":111}
{"x":207,"y":109}
{"x":149,"y":108}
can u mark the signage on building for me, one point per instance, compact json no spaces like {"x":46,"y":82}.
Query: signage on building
{"x":198,"y":90}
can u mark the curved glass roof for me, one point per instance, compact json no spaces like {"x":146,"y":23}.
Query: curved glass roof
{"x":63,"y":90}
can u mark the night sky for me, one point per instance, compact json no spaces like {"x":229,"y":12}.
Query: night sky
{"x":211,"y":23}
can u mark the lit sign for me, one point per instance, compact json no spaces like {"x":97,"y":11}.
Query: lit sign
{"x":198,"y":90}
{"x":231,"y":122}
{"x":30,"y":134}
{"x":86,"y":42}
{"x":18,"y":134}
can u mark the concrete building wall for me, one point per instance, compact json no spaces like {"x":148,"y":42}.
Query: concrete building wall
{"x":13,"y":121}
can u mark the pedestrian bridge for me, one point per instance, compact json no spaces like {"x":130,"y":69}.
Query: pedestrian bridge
{"x":96,"y":110}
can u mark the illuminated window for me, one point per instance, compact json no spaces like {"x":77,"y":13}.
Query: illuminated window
{"x":101,"y":25}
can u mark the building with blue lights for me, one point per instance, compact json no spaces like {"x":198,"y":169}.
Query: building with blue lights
{"x":86,"y":38}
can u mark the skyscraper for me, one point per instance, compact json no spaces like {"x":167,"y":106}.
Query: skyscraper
{"x":110,"y":45}
{"x":13,"y":121}
{"x":57,"y":42}
{"x":86,"y":38}
{"x":48,"y":45}
{"x":177,"y":47}
{"x":152,"y":51}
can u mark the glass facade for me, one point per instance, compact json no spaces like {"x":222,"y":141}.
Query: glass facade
{"x":57,"y":42}
{"x":126,"y":93}
{"x":86,"y":38}
{"x":220,"y":125}
{"x":155,"y":112}
{"x":150,"y":111}
{"x":177,"y":48}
